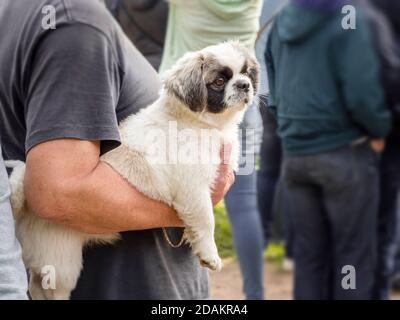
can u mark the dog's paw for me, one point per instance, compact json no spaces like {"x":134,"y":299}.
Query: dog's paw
{"x":213,"y":262}
{"x":207,"y":252}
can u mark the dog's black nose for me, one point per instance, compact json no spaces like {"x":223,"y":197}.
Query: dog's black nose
{"x":243,"y":85}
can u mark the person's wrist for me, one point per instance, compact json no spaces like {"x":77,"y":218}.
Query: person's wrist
{"x":173,"y":219}
{"x":224,"y":186}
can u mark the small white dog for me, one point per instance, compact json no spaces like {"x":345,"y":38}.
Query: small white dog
{"x":206,"y":91}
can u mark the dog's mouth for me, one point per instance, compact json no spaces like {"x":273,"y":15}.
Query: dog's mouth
{"x":241,"y":98}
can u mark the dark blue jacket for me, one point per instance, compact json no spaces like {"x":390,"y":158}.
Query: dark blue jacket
{"x":324,"y":80}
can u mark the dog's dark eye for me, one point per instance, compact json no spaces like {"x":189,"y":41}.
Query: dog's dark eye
{"x":219,"y":82}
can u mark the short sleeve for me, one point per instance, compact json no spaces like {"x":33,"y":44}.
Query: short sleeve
{"x":73,"y":88}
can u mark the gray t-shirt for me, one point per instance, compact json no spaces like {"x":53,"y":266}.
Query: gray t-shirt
{"x":13,"y":282}
{"x":79,"y":81}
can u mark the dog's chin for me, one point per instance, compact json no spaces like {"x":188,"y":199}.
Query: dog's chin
{"x":240,"y":101}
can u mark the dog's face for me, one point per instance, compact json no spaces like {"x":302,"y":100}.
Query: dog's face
{"x":216,"y":79}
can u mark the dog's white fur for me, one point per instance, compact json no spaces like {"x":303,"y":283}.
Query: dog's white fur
{"x":185,"y":187}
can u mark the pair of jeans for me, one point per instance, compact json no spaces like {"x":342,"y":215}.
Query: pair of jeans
{"x":388,"y":224}
{"x":241,"y":205}
{"x":335,"y":196}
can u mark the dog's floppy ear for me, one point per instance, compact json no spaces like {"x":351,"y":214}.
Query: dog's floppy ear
{"x":185,"y":80}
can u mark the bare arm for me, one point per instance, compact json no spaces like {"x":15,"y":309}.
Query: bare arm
{"x":65,"y":182}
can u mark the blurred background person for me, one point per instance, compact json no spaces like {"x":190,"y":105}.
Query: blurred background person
{"x":273,"y":209}
{"x":145,"y":24}
{"x":13,"y":280}
{"x":326,"y":94}
{"x":385,"y":22}
{"x":193,"y":25}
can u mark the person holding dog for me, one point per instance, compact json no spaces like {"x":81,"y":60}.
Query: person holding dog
{"x":67,"y":78}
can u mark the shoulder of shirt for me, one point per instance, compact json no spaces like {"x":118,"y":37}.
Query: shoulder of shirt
{"x":92,"y":14}
{"x":89,"y":12}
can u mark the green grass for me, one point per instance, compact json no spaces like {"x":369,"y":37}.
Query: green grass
{"x":275,"y":252}
{"x":223,"y":233}
{"x":223,"y":236}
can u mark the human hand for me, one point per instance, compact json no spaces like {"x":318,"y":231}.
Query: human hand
{"x":378,"y":145}
{"x":225,"y":178}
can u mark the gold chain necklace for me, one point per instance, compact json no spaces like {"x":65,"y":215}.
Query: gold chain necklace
{"x":170,"y":242}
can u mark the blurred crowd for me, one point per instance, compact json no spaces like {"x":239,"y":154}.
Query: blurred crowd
{"x":327,"y":181}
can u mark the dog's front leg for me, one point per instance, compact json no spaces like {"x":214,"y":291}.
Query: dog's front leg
{"x":197,"y":214}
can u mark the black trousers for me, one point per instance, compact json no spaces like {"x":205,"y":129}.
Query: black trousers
{"x":388,"y":220}
{"x":335,"y":198}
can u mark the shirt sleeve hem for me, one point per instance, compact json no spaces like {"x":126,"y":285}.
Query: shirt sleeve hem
{"x":108,"y":135}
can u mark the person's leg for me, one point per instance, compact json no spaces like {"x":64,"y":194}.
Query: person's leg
{"x":396,"y":251}
{"x":387,"y":222}
{"x":268,"y":173}
{"x":282,"y":221}
{"x":311,"y":251}
{"x":241,"y":204}
{"x":351,"y":195}
{"x":288,"y":224}
{"x":395,"y":272}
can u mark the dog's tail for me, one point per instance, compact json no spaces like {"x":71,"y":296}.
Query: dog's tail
{"x":18,"y":200}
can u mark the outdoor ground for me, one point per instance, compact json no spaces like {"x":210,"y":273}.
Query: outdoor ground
{"x":227,"y":284}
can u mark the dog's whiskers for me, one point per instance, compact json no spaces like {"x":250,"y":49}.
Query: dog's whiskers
{"x":261,"y":102}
